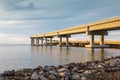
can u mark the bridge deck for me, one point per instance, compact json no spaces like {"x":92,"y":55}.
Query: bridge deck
{"x":107,"y":24}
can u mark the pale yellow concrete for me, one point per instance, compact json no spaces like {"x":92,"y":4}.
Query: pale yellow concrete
{"x":107,"y":24}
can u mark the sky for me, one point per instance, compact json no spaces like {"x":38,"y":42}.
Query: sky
{"x":21,"y":18}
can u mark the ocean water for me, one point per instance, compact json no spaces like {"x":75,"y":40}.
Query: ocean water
{"x":17,"y":56}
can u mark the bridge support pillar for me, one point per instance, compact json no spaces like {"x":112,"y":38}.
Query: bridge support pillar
{"x":67,"y":41}
{"x":91,"y":40}
{"x":41,"y":41}
{"x":92,"y":33}
{"x":101,"y":39}
{"x":60,"y":42}
{"x":32,"y":42}
{"x":37,"y":41}
{"x":46,"y":41}
{"x":51,"y":41}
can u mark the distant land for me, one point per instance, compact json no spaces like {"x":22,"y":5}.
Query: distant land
{"x":14,"y":44}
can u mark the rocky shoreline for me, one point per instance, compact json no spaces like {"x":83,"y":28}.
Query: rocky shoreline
{"x":109,"y":69}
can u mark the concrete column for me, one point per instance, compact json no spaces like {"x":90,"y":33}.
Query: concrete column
{"x":32,"y":41}
{"x":67,"y":41}
{"x":50,"y":41}
{"x":45,"y":41}
{"x":60,"y":42}
{"x":102,"y":39}
{"x":91,"y":39}
{"x":41,"y":41}
{"x":37,"y":41}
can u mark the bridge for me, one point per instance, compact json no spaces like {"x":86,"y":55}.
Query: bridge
{"x":100,"y":28}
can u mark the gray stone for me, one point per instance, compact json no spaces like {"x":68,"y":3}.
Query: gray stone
{"x":52,"y":77}
{"x":75,"y":77}
{"x":35,"y":76}
{"x":83,"y":78}
{"x":54,"y":72}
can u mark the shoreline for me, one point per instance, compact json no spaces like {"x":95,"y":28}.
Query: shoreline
{"x":91,"y":70}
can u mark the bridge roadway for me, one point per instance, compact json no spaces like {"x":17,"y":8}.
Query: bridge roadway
{"x":95,"y":28}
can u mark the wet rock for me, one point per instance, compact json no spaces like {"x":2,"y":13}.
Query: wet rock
{"x":75,"y":77}
{"x":61,"y":74}
{"x":39,"y":68}
{"x":54,"y":72}
{"x":66,"y":77}
{"x":75,"y":69}
{"x":9,"y":73}
{"x":83,"y":78}
{"x":63,"y":70}
{"x":87,"y":72}
{"x":35,"y":76}
{"x":52,"y":77}
{"x":17,"y":78}
{"x":1,"y":77}
{"x":41,"y":77}
{"x":27,"y":78}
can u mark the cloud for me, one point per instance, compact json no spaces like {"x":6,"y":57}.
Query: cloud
{"x":28,"y":17}
{"x":55,"y":10}
{"x":14,"y":38}
{"x":11,"y":5}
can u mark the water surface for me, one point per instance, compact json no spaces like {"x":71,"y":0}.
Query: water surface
{"x":16,"y":57}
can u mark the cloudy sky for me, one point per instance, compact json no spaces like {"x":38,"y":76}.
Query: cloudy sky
{"x":21,"y":18}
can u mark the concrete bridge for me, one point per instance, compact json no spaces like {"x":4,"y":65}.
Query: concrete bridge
{"x":96,"y":28}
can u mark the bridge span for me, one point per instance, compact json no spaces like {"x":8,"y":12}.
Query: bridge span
{"x":95,"y":28}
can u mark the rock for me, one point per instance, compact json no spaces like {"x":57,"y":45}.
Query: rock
{"x":66,"y":78}
{"x":27,"y":78}
{"x":17,"y":78}
{"x":35,"y":76}
{"x":41,"y":77}
{"x":87,"y":72}
{"x":75,"y":77}
{"x":1,"y":78}
{"x":9,"y":73}
{"x":52,"y":77}
{"x":46,"y":74}
{"x":54,"y":72}
{"x":83,"y":78}
{"x":80,"y":71}
{"x":62,"y":74}
{"x":74,"y":69}
{"x":63,"y":70}
{"x":39,"y":68}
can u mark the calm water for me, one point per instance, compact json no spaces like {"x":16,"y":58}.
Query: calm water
{"x":15,"y":57}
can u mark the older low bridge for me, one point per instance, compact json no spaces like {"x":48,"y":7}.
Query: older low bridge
{"x":96,"y":28}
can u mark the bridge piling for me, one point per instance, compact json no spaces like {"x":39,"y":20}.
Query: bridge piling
{"x":101,"y":39}
{"x":41,"y":41}
{"x":32,"y":42}
{"x":37,"y":41}
{"x":60,"y":41}
{"x":45,"y":41}
{"x":92,"y":40}
{"x":67,"y":41}
{"x":51,"y":41}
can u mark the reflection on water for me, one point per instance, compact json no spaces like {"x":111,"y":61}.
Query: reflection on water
{"x":101,"y":54}
{"x":64,"y":55}
{"x":15,"y":57}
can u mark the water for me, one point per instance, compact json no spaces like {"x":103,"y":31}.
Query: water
{"x":16,"y":57}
